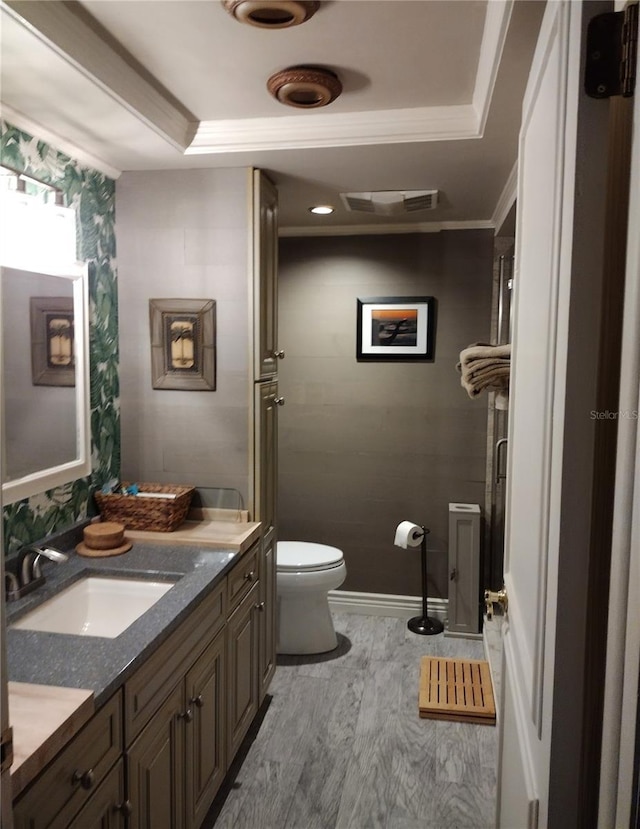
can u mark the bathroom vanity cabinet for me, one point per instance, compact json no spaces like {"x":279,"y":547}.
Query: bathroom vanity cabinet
{"x":156,"y":753}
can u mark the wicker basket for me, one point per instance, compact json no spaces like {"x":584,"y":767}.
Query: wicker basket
{"x":153,"y":514}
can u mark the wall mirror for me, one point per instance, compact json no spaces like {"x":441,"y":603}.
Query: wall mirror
{"x":43,"y":348}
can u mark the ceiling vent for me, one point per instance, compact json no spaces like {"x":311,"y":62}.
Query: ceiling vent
{"x":272,"y":14}
{"x":305,"y":87}
{"x":391,"y":202}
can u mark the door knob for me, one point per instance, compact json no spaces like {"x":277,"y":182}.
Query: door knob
{"x":279,"y":354}
{"x":279,"y":401}
{"x":492,"y":597}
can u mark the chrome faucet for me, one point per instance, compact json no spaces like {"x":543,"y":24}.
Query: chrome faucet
{"x":29,"y":573}
{"x":30,"y":562}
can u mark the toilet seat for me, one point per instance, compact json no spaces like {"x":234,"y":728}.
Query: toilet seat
{"x":306,"y":556}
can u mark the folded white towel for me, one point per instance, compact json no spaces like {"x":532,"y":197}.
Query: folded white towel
{"x":485,"y":367}
{"x":480,"y":351}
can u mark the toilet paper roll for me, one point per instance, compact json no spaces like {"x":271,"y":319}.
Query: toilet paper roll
{"x":408,"y":535}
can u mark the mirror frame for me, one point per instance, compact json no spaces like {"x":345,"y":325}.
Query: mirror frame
{"x":80,"y":467}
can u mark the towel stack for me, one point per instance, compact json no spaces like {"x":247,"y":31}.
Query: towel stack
{"x":486,"y":367}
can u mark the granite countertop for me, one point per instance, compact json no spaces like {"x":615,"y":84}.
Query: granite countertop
{"x":100,"y":664}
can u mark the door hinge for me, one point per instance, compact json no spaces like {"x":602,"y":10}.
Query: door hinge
{"x":6,"y":749}
{"x":612,"y":53}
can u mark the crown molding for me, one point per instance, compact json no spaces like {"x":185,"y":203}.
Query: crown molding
{"x":391,"y":126}
{"x":384,"y":229}
{"x":313,"y":130}
{"x":84,"y":158}
{"x":71,"y":33}
{"x":80,"y":40}
{"x":507,"y":198}
{"x":494,"y":35}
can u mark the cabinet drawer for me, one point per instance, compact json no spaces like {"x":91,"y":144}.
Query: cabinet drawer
{"x":107,"y":808}
{"x":242,"y":578}
{"x":73,"y":776}
{"x":147,"y":689}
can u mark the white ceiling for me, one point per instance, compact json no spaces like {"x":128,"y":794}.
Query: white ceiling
{"x":432,"y":92}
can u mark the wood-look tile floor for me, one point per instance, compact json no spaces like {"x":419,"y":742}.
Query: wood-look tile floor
{"x":341,"y":746}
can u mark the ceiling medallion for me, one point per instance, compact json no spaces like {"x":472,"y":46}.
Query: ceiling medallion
{"x":272,"y":14}
{"x":305,"y":87}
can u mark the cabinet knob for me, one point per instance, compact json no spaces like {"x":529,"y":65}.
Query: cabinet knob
{"x":125,"y":808}
{"x":260,"y":607}
{"x":279,"y":354}
{"x":197,"y":701}
{"x":249,"y":576}
{"x":85,"y":778}
{"x":187,"y":715}
{"x":279,"y":401}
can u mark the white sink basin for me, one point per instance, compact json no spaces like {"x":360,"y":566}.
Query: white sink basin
{"x":95,"y":606}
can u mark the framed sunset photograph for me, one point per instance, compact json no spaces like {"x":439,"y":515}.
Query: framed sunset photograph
{"x":395,"y":328}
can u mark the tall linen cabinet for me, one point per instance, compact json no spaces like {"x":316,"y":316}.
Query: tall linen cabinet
{"x":266,"y":401}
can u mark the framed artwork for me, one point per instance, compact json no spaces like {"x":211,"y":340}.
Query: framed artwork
{"x":183,"y":344}
{"x":52,"y":341}
{"x":395,"y":328}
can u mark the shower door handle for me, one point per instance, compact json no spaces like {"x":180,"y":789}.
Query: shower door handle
{"x":497,"y":459}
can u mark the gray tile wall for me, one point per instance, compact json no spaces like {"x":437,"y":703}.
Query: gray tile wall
{"x":185,"y":234}
{"x":364,"y":446}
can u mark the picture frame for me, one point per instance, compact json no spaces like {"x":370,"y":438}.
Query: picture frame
{"x":395,"y":328}
{"x":183,"y":344}
{"x":52,"y":341}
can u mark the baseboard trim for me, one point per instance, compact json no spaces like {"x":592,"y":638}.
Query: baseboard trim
{"x":386,"y":604}
{"x":457,"y":634}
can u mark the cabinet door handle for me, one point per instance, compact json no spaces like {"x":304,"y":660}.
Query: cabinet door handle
{"x":85,"y":778}
{"x":279,"y":354}
{"x":249,"y":576}
{"x":125,"y":808}
{"x":187,"y":715}
{"x":260,"y":607}
{"x":197,"y":701}
{"x":279,"y":401}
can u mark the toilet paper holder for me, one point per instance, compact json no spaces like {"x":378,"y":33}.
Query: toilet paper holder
{"x":424,"y":625}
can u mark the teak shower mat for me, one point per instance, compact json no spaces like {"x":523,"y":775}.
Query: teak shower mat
{"x":456,"y":689}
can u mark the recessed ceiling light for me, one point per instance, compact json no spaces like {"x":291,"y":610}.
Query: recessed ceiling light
{"x":321,"y":209}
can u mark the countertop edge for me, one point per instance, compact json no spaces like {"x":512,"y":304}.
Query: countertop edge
{"x":74,"y":708}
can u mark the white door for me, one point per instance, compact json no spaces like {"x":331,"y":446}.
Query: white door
{"x":545,"y":428}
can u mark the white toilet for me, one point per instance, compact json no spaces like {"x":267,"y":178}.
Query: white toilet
{"x":305,"y":574}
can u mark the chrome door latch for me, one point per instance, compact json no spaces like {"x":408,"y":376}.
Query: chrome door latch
{"x":492,"y":597}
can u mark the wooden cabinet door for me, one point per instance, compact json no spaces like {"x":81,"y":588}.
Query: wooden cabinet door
{"x":265,"y":506}
{"x":242,"y":670}
{"x":157,"y":770}
{"x":205,"y":733}
{"x":265,"y":267}
{"x":267,"y":614}
{"x":107,"y":808}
